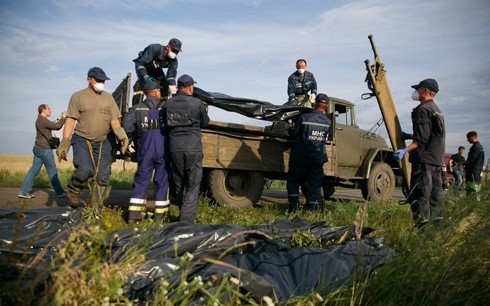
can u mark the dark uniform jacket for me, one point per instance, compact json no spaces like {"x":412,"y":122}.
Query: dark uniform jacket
{"x":136,"y":121}
{"x":301,"y":85}
{"x":430,"y":133}
{"x":184,"y":116}
{"x":476,"y":159}
{"x":311,"y":131}
{"x":151,"y":62}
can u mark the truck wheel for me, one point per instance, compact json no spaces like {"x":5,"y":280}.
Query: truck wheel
{"x":236,"y":188}
{"x":380,"y":185}
{"x":328,"y":190}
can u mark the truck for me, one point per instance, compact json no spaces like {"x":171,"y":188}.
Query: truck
{"x":237,"y":157}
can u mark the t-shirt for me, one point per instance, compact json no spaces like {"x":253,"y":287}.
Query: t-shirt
{"x":93,"y":112}
{"x":458,"y":159}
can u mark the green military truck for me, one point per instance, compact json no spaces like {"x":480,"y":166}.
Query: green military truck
{"x":237,"y":158}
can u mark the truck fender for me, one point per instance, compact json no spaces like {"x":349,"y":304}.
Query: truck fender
{"x":374,"y":154}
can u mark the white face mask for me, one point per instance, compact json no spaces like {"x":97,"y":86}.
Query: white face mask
{"x":301,"y":70}
{"x":99,"y":87}
{"x":415,"y":95}
{"x":171,"y":55}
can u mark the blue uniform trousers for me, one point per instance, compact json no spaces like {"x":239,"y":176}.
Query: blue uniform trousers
{"x":152,"y":157}
{"x":312,"y":175}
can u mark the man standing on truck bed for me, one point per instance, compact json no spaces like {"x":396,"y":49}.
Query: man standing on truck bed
{"x":300,"y":83}
{"x":95,"y":113}
{"x":184,"y":116}
{"x":309,"y":155}
{"x":145,"y":119}
{"x":149,"y":67}
{"x":426,"y":155}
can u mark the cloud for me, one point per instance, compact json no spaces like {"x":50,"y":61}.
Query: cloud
{"x":27,"y":46}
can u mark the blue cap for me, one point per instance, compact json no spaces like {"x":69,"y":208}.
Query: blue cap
{"x":175,"y":44}
{"x":150,"y":85}
{"x":97,"y":73}
{"x":322,"y":98}
{"x":430,"y":84}
{"x":185,"y":80}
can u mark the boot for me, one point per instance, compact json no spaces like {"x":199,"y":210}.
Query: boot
{"x":97,"y":193}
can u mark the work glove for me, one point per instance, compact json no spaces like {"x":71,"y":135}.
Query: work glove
{"x":406,"y":136}
{"x":63,"y":149}
{"x":123,"y":139}
{"x":312,"y":98}
{"x":398,"y":154}
{"x":172,"y":89}
{"x":149,"y":78}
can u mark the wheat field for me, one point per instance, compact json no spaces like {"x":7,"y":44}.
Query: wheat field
{"x":22,"y":163}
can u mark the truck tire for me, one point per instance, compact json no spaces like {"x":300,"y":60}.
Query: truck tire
{"x":236,"y":188}
{"x":328,"y":190}
{"x":380,"y":185}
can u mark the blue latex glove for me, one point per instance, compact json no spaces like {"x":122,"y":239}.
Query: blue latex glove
{"x":406,"y":136}
{"x":398,"y":154}
{"x":149,"y":79}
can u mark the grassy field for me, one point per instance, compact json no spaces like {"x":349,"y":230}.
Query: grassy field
{"x":446,"y":263}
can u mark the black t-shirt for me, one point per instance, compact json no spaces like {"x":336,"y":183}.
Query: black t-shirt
{"x":458,"y":159}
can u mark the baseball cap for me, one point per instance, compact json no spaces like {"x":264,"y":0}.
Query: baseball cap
{"x":97,"y":73}
{"x":322,"y":98}
{"x":175,"y":44}
{"x":185,"y":80}
{"x":151,"y":85}
{"x":430,"y":84}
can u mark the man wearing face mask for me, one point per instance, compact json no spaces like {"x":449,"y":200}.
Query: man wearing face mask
{"x":149,"y":67}
{"x":300,"y":83}
{"x":91,"y":115}
{"x":426,"y":155}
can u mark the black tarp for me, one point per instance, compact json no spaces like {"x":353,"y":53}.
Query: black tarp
{"x":260,"y":257}
{"x":249,"y":107}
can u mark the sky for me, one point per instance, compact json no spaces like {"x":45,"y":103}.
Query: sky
{"x":248,"y":48}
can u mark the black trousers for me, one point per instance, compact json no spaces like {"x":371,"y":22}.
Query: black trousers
{"x":426,"y":192}
{"x":185,"y":180}
{"x":298,"y":175}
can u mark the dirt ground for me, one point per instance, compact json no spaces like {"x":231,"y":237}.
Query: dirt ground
{"x":45,"y":197}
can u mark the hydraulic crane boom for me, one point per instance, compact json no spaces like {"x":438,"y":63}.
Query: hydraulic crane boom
{"x":376,"y":79}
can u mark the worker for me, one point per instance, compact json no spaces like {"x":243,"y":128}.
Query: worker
{"x":145,"y":119}
{"x":149,"y":67}
{"x":426,"y":155}
{"x":91,"y":115}
{"x":302,"y":86}
{"x":309,"y":155}
{"x":185,"y":115}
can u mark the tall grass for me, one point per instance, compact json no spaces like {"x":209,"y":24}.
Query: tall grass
{"x":119,"y":179}
{"x":445,"y":263}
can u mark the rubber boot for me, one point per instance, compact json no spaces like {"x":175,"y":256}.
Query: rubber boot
{"x":97,"y":193}
{"x":75,"y":188}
